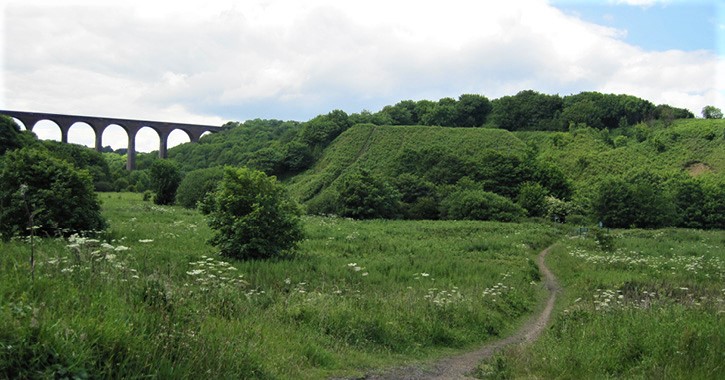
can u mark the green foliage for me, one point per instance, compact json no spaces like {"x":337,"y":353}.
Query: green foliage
{"x":551,"y":177}
{"x":472,"y":110}
{"x":604,"y":239}
{"x":363,"y":195}
{"x":711,"y":112}
{"x":558,"y":210}
{"x":472,"y":204}
{"x":668,"y":114}
{"x":418,"y":196}
{"x":197,"y":184}
{"x":442,"y":113}
{"x":236,"y":145}
{"x":532,"y":197}
{"x":165,"y":179}
{"x":700,"y":201}
{"x":434,"y":154}
{"x":402,"y":113}
{"x":501,"y":173}
{"x":436,"y":164}
{"x":586,"y":158}
{"x":601,"y":111}
{"x":321,"y":130}
{"x":59,"y":197}
{"x":11,"y":137}
{"x":527,"y":110}
{"x":297,"y":157}
{"x":82,"y":158}
{"x":268,"y":160}
{"x":252,"y":216}
{"x":639,"y":200}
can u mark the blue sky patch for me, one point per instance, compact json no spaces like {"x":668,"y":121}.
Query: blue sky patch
{"x":662,"y":26}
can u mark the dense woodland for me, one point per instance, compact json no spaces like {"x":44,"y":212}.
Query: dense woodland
{"x":587,"y":158}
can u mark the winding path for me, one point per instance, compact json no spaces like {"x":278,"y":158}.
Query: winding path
{"x":457,"y":367}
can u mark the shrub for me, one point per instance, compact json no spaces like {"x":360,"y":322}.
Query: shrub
{"x":557,"y":210}
{"x":165,"y":179}
{"x":297,"y":157}
{"x":479,"y":205}
{"x":639,"y":200}
{"x":362,"y":195}
{"x":532,"y":197}
{"x":700,"y":202}
{"x":60,"y":197}
{"x":252,"y":215}
{"x":197,"y":184}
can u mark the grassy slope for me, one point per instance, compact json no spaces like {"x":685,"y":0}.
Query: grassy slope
{"x":422,"y":289}
{"x":378,"y":148}
{"x":585,"y":156}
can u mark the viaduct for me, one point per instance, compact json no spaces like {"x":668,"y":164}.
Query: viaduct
{"x":99,"y":124}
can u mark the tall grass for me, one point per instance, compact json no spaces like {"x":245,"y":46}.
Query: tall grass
{"x":152,"y":299}
{"x":652,"y":308}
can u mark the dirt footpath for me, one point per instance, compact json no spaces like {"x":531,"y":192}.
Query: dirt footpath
{"x":457,"y":367}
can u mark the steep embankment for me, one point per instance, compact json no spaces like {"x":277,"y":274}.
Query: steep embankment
{"x":379,"y":148}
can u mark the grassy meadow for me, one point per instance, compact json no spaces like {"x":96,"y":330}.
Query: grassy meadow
{"x":151,"y":299}
{"x":636,"y":304}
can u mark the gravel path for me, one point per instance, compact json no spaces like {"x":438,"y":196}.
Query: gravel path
{"x":457,"y":367}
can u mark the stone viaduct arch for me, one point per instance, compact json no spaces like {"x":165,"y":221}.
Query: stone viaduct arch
{"x":99,"y":124}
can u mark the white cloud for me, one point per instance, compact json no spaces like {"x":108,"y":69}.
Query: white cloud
{"x":207,"y":62}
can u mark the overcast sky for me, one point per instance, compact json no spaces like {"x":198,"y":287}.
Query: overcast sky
{"x":212,"y":61}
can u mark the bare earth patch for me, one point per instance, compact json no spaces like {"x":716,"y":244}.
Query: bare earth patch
{"x":458,"y":367}
{"x":698,"y":168}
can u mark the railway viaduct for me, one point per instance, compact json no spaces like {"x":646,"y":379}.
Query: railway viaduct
{"x":99,"y":124}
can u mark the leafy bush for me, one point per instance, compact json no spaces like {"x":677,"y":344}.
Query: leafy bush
{"x":418,"y":197}
{"x":165,"y":179}
{"x":297,"y":157}
{"x":197,"y":184}
{"x":362,"y":195}
{"x":639,"y":200}
{"x":60,"y":197}
{"x":700,"y":202}
{"x":532,"y":197}
{"x":472,"y":204}
{"x":557,"y":210}
{"x":252,"y":215}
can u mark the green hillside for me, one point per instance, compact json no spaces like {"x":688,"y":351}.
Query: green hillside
{"x":585,"y":155}
{"x":692,"y":146}
{"x":647,"y":175}
{"x":379,"y":149}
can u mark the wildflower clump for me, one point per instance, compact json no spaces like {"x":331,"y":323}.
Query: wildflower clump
{"x":214,"y":274}
{"x":89,"y":256}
